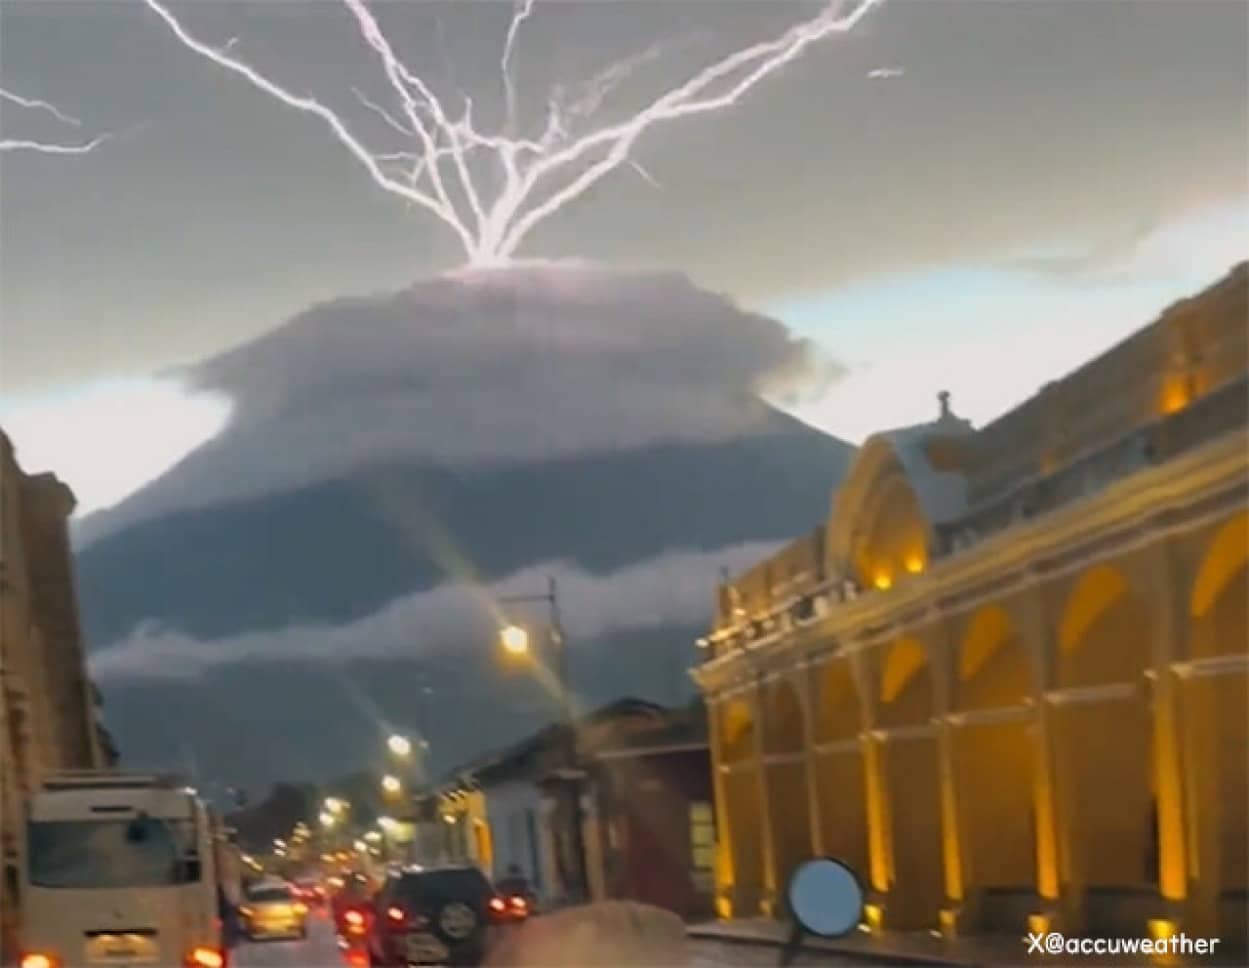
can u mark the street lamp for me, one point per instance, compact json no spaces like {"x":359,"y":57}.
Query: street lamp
{"x":391,"y":784}
{"x":515,"y":640}
{"x":400,"y":746}
{"x":327,"y":820}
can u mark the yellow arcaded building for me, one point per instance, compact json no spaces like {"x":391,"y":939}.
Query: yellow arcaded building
{"x":1007,"y":679}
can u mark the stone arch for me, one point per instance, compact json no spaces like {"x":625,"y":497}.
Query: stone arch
{"x":1103,"y":632}
{"x":994,"y":669}
{"x":993,"y":764}
{"x":840,"y":775}
{"x":1103,"y":740}
{"x":879,"y":530}
{"x":782,"y":721}
{"x":1215,"y":700}
{"x":910,"y":778}
{"x":906,"y":689}
{"x":893,"y":541}
{"x":1219,"y":623}
{"x":737,"y":731}
{"x":838,"y":709}
{"x":785,"y":771}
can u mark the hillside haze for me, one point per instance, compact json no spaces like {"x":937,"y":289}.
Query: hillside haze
{"x":387,"y":458}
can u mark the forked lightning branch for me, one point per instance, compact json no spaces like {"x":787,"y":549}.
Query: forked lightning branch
{"x":491,"y":189}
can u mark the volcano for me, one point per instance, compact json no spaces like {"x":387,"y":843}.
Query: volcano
{"x":388,"y":458}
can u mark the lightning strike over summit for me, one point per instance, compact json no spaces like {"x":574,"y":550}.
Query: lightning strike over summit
{"x":44,"y":147}
{"x":491,"y":189}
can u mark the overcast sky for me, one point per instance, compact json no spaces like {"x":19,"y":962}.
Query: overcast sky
{"x":1033,"y":180}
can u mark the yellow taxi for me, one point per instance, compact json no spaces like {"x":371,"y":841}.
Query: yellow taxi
{"x":272,"y":909}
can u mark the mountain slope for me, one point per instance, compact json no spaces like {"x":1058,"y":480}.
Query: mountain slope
{"x":337,"y":550}
{"x":394,"y":465}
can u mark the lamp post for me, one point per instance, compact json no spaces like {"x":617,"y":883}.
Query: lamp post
{"x":515,"y":640}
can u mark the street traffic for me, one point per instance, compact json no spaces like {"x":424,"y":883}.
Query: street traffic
{"x":320,"y":950}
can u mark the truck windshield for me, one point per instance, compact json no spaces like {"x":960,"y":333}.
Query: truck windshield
{"x":104,"y":854}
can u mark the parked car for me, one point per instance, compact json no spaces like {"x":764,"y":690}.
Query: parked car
{"x":272,"y":909}
{"x":442,"y":915}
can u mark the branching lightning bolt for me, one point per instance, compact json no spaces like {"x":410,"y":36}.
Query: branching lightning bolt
{"x":45,"y":147}
{"x":438,"y":167}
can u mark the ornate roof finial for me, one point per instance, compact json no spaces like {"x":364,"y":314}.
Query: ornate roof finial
{"x":943,"y":398}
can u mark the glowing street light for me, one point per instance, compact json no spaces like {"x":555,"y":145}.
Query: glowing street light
{"x":514,"y":639}
{"x":400,"y":746}
{"x":373,"y":836}
{"x":391,"y":784}
{"x":327,"y":820}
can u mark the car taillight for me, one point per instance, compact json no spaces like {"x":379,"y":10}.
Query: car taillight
{"x":205,"y":958}
{"x":519,"y":903}
{"x":396,"y":916}
{"x":354,"y":917}
{"x":498,"y":904}
{"x":36,"y":959}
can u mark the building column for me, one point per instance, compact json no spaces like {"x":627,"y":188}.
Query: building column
{"x":767,"y":901}
{"x":1200,"y":786}
{"x":807,"y":695}
{"x":548,"y":847}
{"x":956,"y":914}
{"x":10,"y":827}
{"x":879,"y":838}
{"x":1052,"y":876}
{"x":592,"y":830}
{"x":725,"y":881}
{"x":1168,"y":593}
{"x":879,"y":847}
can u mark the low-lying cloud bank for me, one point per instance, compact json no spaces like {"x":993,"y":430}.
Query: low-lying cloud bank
{"x":677,"y":588}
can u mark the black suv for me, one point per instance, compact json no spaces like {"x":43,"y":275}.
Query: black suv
{"x":434,"y":916}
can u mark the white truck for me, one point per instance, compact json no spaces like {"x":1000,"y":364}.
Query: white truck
{"x":119,"y":869}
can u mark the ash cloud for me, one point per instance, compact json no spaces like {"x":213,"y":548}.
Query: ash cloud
{"x":483,"y":367}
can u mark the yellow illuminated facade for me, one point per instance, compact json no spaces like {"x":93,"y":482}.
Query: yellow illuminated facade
{"x":1008,"y":679}
{"x":47,"y":704}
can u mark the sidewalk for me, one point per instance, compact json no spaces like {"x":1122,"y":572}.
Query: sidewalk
{"x":897,"y":948}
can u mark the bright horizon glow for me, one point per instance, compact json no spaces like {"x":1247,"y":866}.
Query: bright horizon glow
{"x":108,"y":439}
{"x":993,"y":335}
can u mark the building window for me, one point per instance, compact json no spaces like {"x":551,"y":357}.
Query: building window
{"x":702,"y":845}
